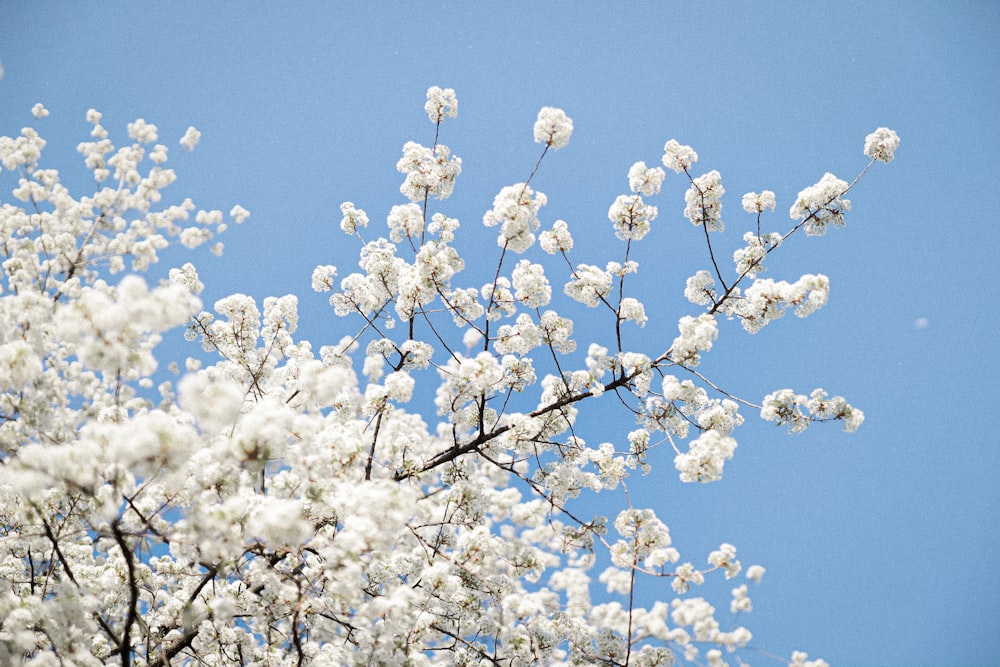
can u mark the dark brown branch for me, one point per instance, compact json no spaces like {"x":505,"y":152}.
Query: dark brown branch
{"x":125,"y":644}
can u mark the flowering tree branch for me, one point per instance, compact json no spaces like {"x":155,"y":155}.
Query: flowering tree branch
{"x":285,"y":504}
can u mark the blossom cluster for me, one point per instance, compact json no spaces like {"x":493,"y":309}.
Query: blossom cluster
{"x":785,"y":407}
{"x":553,"y":128}
{"x":430,"y":172}
{"x":822,"y":205}
{"x":704,"y":201}
{"x":515,"y":210}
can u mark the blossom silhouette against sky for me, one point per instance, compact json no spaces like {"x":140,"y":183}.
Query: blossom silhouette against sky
{"x":877,"y":544}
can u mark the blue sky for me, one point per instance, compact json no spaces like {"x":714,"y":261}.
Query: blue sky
{"x":879,"y":545}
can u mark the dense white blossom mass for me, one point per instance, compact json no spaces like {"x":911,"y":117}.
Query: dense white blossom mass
{"x":401,"y":493}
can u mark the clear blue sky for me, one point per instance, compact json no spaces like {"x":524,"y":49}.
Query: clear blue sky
{"x":880,"y":546}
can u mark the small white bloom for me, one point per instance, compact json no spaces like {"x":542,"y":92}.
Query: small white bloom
{"x":353,"y":218}
{"x":19,"y":365}
{"x":589,"y":285}
{"x":553,"y":127}
{"x":441,"y":103}
{"x":705,"y":459}
{"x":515,"y":210}
{"x":142,"y":132}
{"x":558,"y":239}
{"x":322,"y":278}
{"x":684,"y":576}
{"x":531,"y":286}
{"x":645,"y":180}
{"x":755,"y":573}
{"x":697,"y":335}
{"x":704,"y":201}
{"x":471,"y":338}
{"x":757,"y":203}
{"x":190,"y":138}
{"x":399,"y":386}
{"x":39,"y":111}
{"x":632,"y":310}
{"x":882,"y":144}
{"x":279,"y":521}
{"x":631,"y":217}
{"x":725,"y":557}
{"x":821,"y":204}
{"x":678,"y":157}
{"x":700,"y":289}
{"x":429,"y":172}
{"x":405,"y":221}
{"x":239,"y":214}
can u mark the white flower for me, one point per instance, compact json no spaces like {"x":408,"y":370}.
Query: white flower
{"x":553,"y":127}
{"x":429,"y":172}
{"x":589,"y":285}
{"x":353,"y":218}
{"x":704,"y":201}
{"x":464,"y":379}
{"x":239,"y":214}
{"x":725,"y":557}
{"x":750,"y":258}
{"x":646,"y":539}
{"x":187,"y":276}
{"x":882,"y":144}
{"x":644,"y":180}
{"x":441,"y":103}
{"x":515,"y":209}
{"x":714,"y":657}
{"x":443,"y":226}
{"x":19,"y":365}
{"x":471,"y":338}
{"x":192,"y":237}
{"x":39,"y":111}
{"x":722,"y":416}
{"x":755,"y":573}
{"x":142,"y":132}
{"x":697,"y":335}
{"x":705,"y":458}
{"x":785,"y":407}
{"x":631,"y":217}
{"x":557,"y":331}
{"x":821,"y":205}
{"x":190,"y":139}
{"x":678,"y":157}
{"x":322,"y":278}
{"x":757,"y":203}
{"x":684,"y":576}
{"x":766,"y":300}
{"x":215,"y":401}
{"x":399,"y":386}
{"x":700,"y":289}
{"x":632,"y":310}
{"x":558,"y":239}
{"x":159,"y":154}
{"x":405,"y":221}
{"x":278,"y":521}
{"x":799,"y":660}
{"x":825,"y":407}
{"x":531,"y":286}
{"x":519,"y":338}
